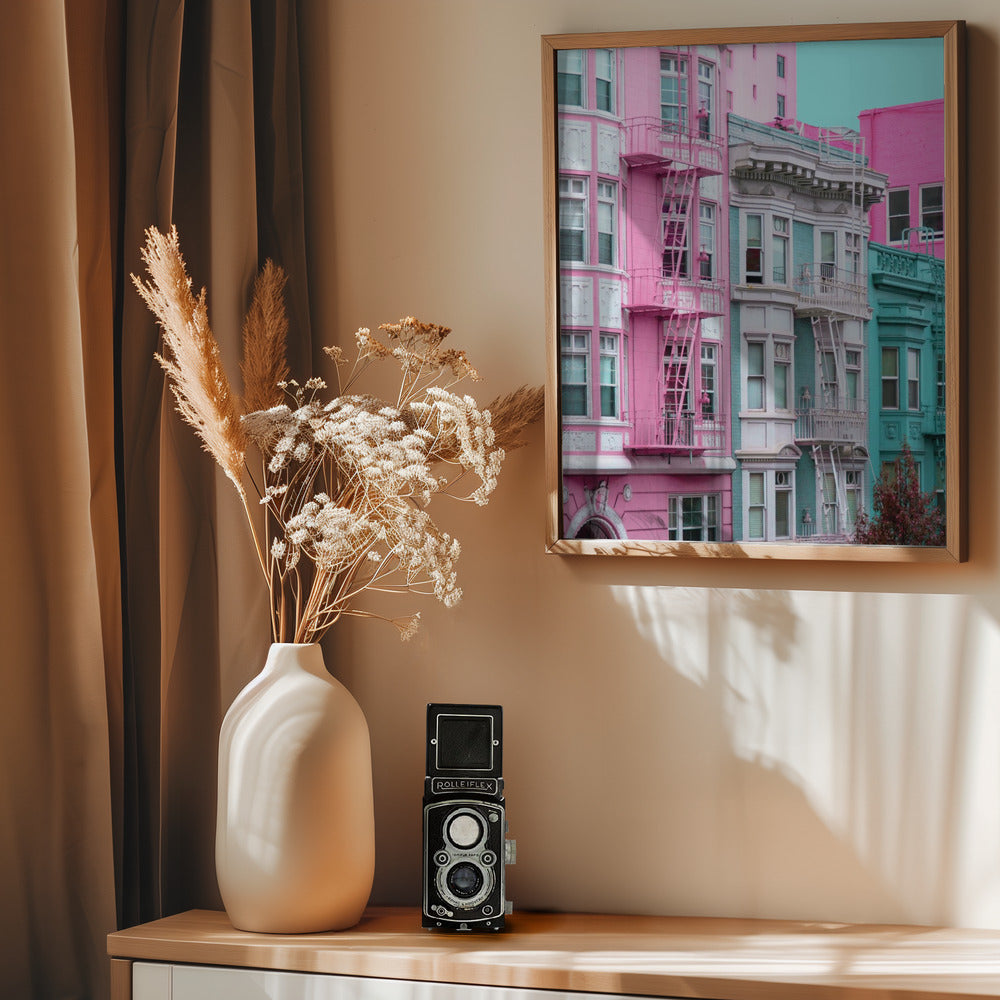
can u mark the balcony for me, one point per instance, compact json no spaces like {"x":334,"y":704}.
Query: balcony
{"x":650,"y":291}
{"x":919,"y":272}
{"x":650,"y":142}
{"x":677,"y":433}
{"x":825,"y":288}
{"x":844,"y":422}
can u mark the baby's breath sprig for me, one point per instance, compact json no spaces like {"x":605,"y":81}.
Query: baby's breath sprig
{"x":344,"y":484}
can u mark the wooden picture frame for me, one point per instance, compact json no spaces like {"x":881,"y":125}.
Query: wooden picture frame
{"x":752,"y":318}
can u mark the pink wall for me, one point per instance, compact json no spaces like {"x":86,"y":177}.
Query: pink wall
{"x":750,"y":74}
{"x":907,"y":143}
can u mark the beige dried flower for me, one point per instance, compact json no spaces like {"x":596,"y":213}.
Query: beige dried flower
{"x":191,"y":357}
{"x":265,"y":332}
{"x":345,"y":484}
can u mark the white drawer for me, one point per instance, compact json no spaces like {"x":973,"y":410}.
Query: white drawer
{"x":156,"y":981}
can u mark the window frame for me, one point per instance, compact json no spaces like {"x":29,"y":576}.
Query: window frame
{"x":572,"y":198}
{"x":608,"y":345}
{"x":610,"y":79}
{"x":937,"y":210}
{"x":574,"y":351}
{"x":913,"y":379}
{"x":604,"y":200}
{"x":711,"y":520}
{"x":706,"y":121}
{"x":891,"y":379}
{"x":707,"y":227}
{"x":563,"y":75}
{"x":890,"y":215}
{"x":781,"y":238}
{"x":681,"y":74}
{"x":756,"y":276}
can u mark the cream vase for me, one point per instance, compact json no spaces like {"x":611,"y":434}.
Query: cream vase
{"x":295,"y":839}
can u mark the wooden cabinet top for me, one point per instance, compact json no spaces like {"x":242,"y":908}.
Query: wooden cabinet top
{"x":722,"y":959}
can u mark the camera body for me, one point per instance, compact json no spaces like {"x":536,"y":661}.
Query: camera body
{"x":465,"y":822}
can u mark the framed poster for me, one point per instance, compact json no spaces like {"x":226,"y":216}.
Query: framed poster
{"x":754,"y":292}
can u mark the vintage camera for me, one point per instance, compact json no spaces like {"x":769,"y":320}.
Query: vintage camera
{"x":465,"y":824}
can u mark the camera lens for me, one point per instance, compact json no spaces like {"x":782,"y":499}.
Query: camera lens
{"x":465,"y":880}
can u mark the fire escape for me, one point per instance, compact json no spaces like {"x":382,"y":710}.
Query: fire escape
{"x":834,"y":424}
{"x":674,"y":292}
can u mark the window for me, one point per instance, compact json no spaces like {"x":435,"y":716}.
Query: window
{"x":890,"y":378}
{"x":609,"y":375}
{"x":779,"y":250}
{"x":852,"y":478}
{"x":693,"y":518}
{"x":781,"y":105}
{"x":729,"y":100}
{"x":605,"y":73}
{"x":828,"y":378}
{"x":569,"y":77}
{"x":676,"y":383}
{"x":912,"y":378}
{"x":830,"y":513}
{"x":782,"y":373}
{"x":898,"y":214}
{"x":675,"y":251}
{"x":706,"y":74}
{"x":781,"y":67}
{"x":575,"y":373}
{"x":853,"y":243}
{"x":940,"y":369}
{"x":673,"y":92}
{"x":706,"y":240}
{"x":932,"y":208}
{"x":853,"y":376}
{"x":782,"y":505}
{"x":606,"y":214}
{"x":573,"y":219}
{"x":709,"y":386}
{"x":827,"y":253}
{"x":756,"y":380}
{"x":754,"y":261}
{"x":755,"y":506}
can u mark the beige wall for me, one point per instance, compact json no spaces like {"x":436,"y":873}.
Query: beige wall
{"x":760,"y":739}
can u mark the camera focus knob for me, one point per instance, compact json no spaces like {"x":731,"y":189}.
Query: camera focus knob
{"x":510,"y":852}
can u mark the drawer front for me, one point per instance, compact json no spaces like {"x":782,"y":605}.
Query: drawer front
{"x":156,"y":981}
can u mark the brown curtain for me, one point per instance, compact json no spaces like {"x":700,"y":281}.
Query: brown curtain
{"x":132,"y":610}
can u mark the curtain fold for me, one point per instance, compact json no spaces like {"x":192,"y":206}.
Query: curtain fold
{"x":196,"y":608}
{"x":61,"y":664}
{"x":133,"y":608}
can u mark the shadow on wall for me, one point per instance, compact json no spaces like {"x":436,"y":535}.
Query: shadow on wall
{"x":729,"y":752}
{"x":866,"y":723}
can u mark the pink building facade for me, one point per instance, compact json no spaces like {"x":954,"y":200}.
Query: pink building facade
{"x":647,"y":446}
{"x":906,"y":142}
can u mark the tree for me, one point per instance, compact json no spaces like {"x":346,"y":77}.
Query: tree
{"x":902,"y":514}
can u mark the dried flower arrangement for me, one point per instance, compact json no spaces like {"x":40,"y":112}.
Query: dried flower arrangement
{"x":344,"y":485}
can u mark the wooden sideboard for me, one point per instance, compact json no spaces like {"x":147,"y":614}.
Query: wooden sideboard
{"x":611,"y":956}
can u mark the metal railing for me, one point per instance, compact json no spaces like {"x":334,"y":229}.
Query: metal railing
{"x":907,"y":264}
{"x":844,"y":421}
{"x":684,"y":431}
{"x":833,"y":288}
{"x":650,"y":140}
{"x":650,"y":288}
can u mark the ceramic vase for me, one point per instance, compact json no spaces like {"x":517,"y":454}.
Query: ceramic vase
{"x":295,"y":838}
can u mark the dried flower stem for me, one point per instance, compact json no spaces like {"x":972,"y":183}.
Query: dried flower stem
{"x":345,"y":485}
